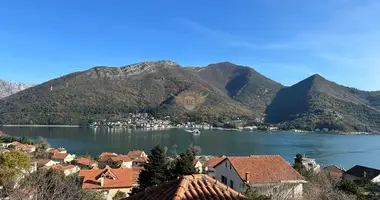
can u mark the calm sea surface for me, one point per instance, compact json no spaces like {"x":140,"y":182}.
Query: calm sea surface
{"x":345,"y":150}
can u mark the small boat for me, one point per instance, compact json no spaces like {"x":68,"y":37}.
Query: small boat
{"x":194,"y":132}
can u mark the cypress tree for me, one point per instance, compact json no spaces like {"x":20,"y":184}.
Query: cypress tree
{"x":155,"y":171}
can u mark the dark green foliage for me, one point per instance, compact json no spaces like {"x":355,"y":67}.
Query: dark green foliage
{"x":298,"y":165}
{"x":118,"y":164}
{"x":184,"y":164}
{"x":25,"y":140}
{"x":7,"y":139}
{"x":156,"y":170}
{"x":349,"y":187}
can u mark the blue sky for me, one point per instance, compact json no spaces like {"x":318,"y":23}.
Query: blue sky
{"x":285,"y":40}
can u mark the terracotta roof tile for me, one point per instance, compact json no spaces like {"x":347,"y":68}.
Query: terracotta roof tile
{"x":214,"y":161}
{"x":59,"y":156}
{"x":264,"y":169}
{"x":123,"y":158}
{"x":85,"y":161}
{"x":105,"y":156}
{"x":190,"y":187}
{"x":116,"y":178}
{"x":135,"y":153}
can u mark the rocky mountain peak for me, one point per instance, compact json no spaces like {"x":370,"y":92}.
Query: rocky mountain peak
{"x":9,"y":88}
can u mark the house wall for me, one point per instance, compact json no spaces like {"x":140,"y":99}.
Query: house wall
{"x":71,"y":171}
{"x":280,"y":191}
{"x":113,"y":192}
{"x":231,"y":174}
{"x":127,"y":164}
{"x":102,"y":164}
{"x":69,"y":158}
{"x":199,"y":167}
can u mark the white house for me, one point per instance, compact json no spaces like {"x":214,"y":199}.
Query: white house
{"x":311,"y":164}
{"x":66,"y":169}
{"x":210,"y":165}
{"x":126,"y":161}
{"x":46,"y":163}
{"x":363,"y":173}
{"x":63,"y":157}
{"x":139,"y":162}
{"x":136,"y":154}
{"x":198,"y":165}
{"x":269,"y":175}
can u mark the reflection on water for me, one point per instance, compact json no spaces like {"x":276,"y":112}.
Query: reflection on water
{"x":346,"y":150}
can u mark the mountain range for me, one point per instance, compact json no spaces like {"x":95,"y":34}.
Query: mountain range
{"x":9,"y":88}
{"x":231,"y":91}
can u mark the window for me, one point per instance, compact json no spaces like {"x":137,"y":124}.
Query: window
{"x":275,"y":190}
{"x":226,"y":164}
{"x":231,"y":184}
{"x":230,"y":166}
{"x":224,"y":180}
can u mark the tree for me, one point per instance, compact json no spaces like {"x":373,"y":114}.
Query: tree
{"x":254,"y":195}
{"x":12,"y":164}
{"x":25,"y":140}
{"x":42,"y":143}
{"x":53,"y":185}
{"x":321,"y":186}
{"x":298,"y":165}
{"x":349,"y":187}
{"x":156,"y":170}
{"x":184,"y":164}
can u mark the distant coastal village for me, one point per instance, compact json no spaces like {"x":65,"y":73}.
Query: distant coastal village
{"x":147,"y":121}
{"x":151,"y":175}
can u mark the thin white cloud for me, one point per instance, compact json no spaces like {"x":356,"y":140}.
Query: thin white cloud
{"x":223,"y":36}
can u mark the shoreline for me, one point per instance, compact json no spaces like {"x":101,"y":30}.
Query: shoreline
{"x":51,"y":126}
{"x":214,"y":128}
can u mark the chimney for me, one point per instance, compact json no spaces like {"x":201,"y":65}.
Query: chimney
{"x":247,"y":177}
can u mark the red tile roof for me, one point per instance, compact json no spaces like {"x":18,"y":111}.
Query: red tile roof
{"x":264,"y":169}
{"x":201,"y":187}
{"x":105,"y":156}
{"x":59,"y":156}
{"x":24,"y":147}
{"x":335,"y":172}
{"x":123,"y":158}
{"x":85,"y":161}
{"x":113,"y":178}
{"x":214,"y":161}
{"x":135,"y":153}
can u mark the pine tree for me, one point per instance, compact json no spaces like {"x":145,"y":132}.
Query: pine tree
{"x":184,"y":164}
{"x":156,"y":170}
